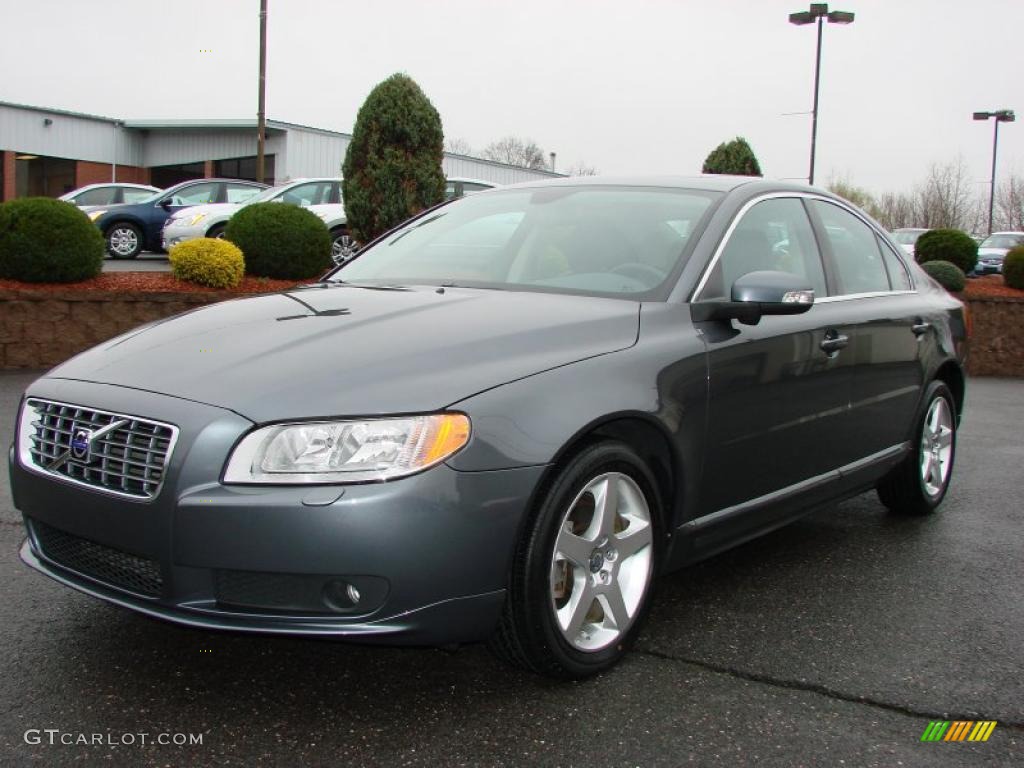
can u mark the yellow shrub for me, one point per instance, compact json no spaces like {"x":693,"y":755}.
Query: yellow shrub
{"x":216,"y":263}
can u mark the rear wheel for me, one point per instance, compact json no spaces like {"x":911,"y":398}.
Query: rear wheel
{"x":581,"y":580}
{"x":124,"y":240}
{"x":918,"y":485}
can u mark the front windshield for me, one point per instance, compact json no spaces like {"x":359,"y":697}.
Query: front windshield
{"x":593,"y":240}
{"x":1002,"y":241}
{"x":268,"y":194}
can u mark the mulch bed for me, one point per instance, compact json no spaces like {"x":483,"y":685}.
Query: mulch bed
{"x":163,"y":282}
{"x":989,"y":286}
{"x":153,"y":282}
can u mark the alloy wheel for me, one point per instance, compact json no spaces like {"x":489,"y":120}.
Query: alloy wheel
{"x":123,"y":241}
{"x":343,"y":248}
{"x":602,"y":562}
{"x":936,"y":446}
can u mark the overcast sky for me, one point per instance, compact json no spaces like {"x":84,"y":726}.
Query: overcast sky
{"x":630,"y":87}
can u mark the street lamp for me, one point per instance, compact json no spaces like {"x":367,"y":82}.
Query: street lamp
{"x":817,"y":13}
{"x":1001,"y":116}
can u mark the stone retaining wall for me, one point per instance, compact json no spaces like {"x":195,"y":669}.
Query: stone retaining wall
{"x":39,"y":329}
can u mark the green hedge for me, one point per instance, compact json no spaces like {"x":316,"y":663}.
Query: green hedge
{"x":1013,"y":268}
{"x":207,"y":261}
{"x":948,"y":275}
{"x":950,"y":245}
{"x":281,"y":241}
{"x":43,"y":240}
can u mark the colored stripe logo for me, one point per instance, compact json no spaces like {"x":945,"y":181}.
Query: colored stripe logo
{"x":959,"y":730}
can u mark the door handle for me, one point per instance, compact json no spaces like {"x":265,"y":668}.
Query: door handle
{"x":833,"y":342}
{"x":921,"y":328}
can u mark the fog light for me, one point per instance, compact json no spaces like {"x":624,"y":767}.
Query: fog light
{"x":341,"y":596}
{"x":353,"y":593}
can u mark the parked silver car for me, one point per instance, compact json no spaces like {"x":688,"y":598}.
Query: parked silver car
{"x":211,"y":220}
{"x":993,"y":250}
{"x":112,"y":193}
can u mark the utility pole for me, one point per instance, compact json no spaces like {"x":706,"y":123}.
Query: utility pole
{"x":261,"y":117}
{"x":1001,"y":116}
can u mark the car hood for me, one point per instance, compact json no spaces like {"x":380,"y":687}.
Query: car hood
{"x":348,"y":351}
{"x":209,"y":209}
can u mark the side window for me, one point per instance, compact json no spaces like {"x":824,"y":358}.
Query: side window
{"x":99,"y":196}
{"x":897,"y":271}
{"x":239,"y":193}
{"x":855,"y":254}
{"x":132,"y":195}
{"x":302,"y":194}
{"x":197,"y":194}
{"x":773,"y":235}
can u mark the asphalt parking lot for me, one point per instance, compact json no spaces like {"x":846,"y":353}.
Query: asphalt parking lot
{"x":144,"y":262}
{"x":831,"y":642}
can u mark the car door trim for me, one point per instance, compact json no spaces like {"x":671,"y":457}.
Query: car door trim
{"x":811,"y":483}
{"x":713,"y":262}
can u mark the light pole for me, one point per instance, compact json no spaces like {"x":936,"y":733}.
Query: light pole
{"x":1001,"y":116}
{"x":261,"y":117}
{"x":818,"y":13}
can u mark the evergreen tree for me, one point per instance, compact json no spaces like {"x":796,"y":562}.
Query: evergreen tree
{"x":732,"y":157}
{"x":392,"y":168}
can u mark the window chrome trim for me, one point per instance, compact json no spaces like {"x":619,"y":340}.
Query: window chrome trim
{"x":706,"y":275}
{"x":24,"y":442}
{"x":869,"y":295}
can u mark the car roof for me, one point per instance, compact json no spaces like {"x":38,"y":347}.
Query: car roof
{"x":467,"y":180}
{"x":115,"y":184}
{"x":709,"y":182}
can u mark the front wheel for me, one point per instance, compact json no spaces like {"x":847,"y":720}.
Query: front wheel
{"x":343,"y":247}
{"x":581,"y":579}
{"x":918,"y":485}
{"x":124,"y":241}
{"x":216,"y":231}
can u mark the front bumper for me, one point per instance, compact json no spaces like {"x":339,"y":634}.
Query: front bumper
{"x":173,"y":235}
{"x":428,"y":554}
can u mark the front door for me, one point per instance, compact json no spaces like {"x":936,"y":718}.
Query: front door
{"x":779,"y":391}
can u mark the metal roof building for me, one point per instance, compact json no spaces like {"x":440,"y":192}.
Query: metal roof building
{"x":51,"y":151}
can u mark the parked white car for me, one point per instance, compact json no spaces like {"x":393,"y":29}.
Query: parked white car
{"x":109,"y":194}
{"x":211,"y":220}
{"x":459,"y":187}
{"x":907,"y":238}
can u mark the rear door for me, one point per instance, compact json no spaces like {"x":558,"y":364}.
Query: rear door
{"x":779,"y":390}
{"x":874,"y":294}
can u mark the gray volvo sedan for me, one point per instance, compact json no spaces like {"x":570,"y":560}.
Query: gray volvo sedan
{"x":501,"y":420}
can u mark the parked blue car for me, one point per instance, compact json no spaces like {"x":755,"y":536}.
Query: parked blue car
{"x":131,"y":228}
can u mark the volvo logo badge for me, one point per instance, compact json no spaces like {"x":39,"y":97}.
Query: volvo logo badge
{"x":81,"y":442}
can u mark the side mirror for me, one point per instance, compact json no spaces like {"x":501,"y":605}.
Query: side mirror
{"x":166,"y":203}
{"x":756,"y":294}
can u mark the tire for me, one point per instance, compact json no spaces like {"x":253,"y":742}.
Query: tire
{"x":918,"y":485}
{"x":562,"y":618}
{"x":343,"y":247}
{"x":124,"y":240}
{"x":217,"y":231}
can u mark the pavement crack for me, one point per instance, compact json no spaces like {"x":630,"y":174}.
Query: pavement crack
{"x":824,"y":690}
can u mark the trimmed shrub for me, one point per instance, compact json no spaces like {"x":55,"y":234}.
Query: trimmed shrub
{"x":281,"y":241}
{"x":43,"y":240}
{"x":732,"y":157}
{"x":950,"y":245}
{"x":207,"y":261}
{"x":1013,"y":268}
{"x":392,"y":167}
{"x":946,"y":274}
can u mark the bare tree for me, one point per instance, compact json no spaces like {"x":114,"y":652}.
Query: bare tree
{"x":1009,"y":213}
{"x":856,"y":195}
{"x":457,"y":146}
{"x":582,"y":169}
{"x":947,"y":198}
{"x":895,"y":210}
{"x":512,"y":150}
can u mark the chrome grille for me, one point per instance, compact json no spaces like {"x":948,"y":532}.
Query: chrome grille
{"x":128,"y":459}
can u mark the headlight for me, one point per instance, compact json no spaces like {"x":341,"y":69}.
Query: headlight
{"x":188,"y":220}
{"x":346,"y":451}
{"x":93,"y":215}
